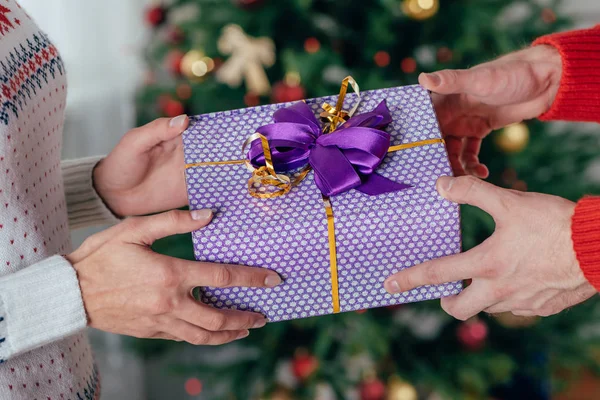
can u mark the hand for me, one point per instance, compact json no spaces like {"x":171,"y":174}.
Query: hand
{"x":144,"y":174}
{"x":130,"y":290}
{"x":528,"y":266}
{"x":471,"y":103}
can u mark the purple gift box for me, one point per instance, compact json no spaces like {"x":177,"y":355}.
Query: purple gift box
{"x":372,"y":236}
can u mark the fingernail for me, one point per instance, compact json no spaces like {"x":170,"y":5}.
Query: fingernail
{"x":272,"y":280}
{"x":445,"y":183}
{"x":392,"y":286}
{"x":259,"y":324}
{"x":434,"y":78}
{"x":201,"y":215}
{"x":177,"y":122}
{"x":242,"y":335}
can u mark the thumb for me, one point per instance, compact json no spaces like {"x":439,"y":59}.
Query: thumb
{"x":478,"y":81}
{"x":146,"y":230}
{"x":475,"y":192}
{"x":160,"y":130}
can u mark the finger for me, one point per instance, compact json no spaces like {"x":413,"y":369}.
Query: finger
{"x":481,"y":81}
{"x":454,"y":147}
{"x":468,"y":126}
{"x":470,"y":190}
{"x":146,"y":230}
{"x":198,"y":336}
{"x":224,"y":275}
{"x":501,"y":307}
{"x":470,"y":158}
{"x":435,"y":272}
{"x":469,"y":303}
{"x":215,"y":320}
{"x":163,"y":129}
{"x":165,"y":336}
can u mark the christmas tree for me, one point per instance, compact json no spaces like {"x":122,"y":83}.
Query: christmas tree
{"x":209,"y":55}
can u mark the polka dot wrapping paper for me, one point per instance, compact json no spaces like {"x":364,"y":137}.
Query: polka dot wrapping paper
{"x":376,"y":236}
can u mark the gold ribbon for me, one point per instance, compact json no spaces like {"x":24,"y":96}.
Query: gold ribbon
{"x":265,"y":177}
{"x":336,"y":115}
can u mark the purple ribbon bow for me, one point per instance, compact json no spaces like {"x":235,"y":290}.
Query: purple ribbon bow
{"x":344,"y":159}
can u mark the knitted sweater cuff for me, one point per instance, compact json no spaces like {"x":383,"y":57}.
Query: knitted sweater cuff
{"x":84,"y":205}
{"x":586,"y":239}
{"x":39,"y":304}
{"x":578,"y":98}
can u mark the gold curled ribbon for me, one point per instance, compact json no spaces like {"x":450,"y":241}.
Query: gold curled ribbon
{"x":336,"y":115}
{"x":265,"y":177}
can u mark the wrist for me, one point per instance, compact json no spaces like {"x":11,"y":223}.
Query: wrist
{"x":104,"y":192}
{"x":547,"y":61}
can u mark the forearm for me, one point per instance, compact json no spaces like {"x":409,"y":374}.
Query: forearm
{"x":578,"y":98}
{"x":39,"y":304}
{"x":84,"y":205}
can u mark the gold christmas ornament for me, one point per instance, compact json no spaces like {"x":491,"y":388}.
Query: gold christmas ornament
{"x":281,"y":394}
{"x":509,"y":320}
{"x":513,"y":138}
{"x":420,"y":9}
{"x":400,"y":390}
{"x":249,"y":57}
{"x":196,"y":65}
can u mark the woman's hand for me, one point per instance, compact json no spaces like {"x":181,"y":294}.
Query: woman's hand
{"x":528,"y":266}
{"x":129,"y":289}
{"x":144,"y":173}
{"x":471,"y":103}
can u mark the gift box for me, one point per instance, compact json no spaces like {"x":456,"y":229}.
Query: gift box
{"x":343,"y":215}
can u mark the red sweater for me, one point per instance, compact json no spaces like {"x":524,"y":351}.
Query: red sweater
{"x":578,"y":99}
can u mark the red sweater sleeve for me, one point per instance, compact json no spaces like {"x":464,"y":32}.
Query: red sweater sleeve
{"x":578,"y":99}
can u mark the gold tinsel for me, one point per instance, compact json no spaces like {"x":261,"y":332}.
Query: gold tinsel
{"x":420,"y":9}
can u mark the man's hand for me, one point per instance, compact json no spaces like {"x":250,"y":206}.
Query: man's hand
{"x":144,"y":173}
{"x":528,"y":266}
{"x":471,"y":103}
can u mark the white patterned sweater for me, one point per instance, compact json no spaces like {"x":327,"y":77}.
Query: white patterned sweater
{"x":44,"y":349}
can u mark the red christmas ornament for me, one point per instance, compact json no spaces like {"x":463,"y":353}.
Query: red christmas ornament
{"x":193,"y":387}
{"x":184,"y":91}
{"x":283,"y":93}
{"x":361,"y":311}
{"x":408,"y":65}
{"x":521,"y":186}
{"x":173,"y":108}
{"x":312,"y":45}
{"x":173,"y":61}
{"x":444,"y":55}
{"x":175,"y":35}
{"x":156,"y":15}
{"x":472,"y":334}
{"x":251,"y":99}
{"x":548,"y":16}
{"x":382,"y":59}
{"x":248,"y":4}
{"x":304,"y":365}
{"x":372,"y":389}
